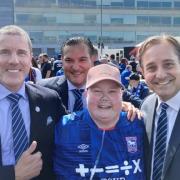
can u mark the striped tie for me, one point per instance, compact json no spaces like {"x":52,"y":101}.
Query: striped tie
{"x":78,"y":105}
{"x":20,"y":138}
{"x":160,"y":144}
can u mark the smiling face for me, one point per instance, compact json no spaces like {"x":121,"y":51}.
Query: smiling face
{"x":161,"y":69}
{"x":76,"y":63}
{"x":15,"y":60}
{"x":104,"y":103}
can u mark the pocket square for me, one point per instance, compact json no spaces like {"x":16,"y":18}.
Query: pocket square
{"x":49,"y":120}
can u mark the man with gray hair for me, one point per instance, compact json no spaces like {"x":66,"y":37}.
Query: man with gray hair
{"x":27,"y":112}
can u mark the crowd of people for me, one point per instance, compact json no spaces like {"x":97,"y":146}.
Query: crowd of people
{"x":84,"y":117}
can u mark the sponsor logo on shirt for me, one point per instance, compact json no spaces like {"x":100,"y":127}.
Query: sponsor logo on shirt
{"x":83,"y":148}
{"x":128,"y":167}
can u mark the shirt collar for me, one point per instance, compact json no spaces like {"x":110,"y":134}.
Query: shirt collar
{"x":71,"y":86}
{"x":173,"y":102}
{"x":5,"y":92}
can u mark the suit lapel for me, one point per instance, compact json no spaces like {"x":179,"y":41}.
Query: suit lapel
{"x":63,"y":91}
{"x":0,"y":153}
{"x":173,"y":143}
{"x":150,"y":116}
{"x":35,"y":113}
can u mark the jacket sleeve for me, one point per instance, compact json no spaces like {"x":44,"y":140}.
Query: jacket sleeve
{"x":7,"y":172}
{"x":128,"y":97}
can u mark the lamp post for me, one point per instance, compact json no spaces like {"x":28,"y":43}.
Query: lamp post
{"x":101,"y":41}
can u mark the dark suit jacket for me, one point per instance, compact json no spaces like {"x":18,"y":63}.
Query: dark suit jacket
{"x":171,"y":169}
{"x":58,"y":84}
{"x":41,"y":128}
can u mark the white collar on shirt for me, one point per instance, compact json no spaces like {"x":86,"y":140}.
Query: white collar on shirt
{"x":5,"y":92}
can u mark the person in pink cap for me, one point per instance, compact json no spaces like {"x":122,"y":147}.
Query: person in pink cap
{"x":100,"y":142}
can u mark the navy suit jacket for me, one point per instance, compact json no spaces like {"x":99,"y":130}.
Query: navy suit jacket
{"x":41,"y":128}
{"x":172,"y":160}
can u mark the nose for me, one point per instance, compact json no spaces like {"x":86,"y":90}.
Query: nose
{"x":104,"y":96}
{"x":160,"y":73}
{"x":13,"y":59}
{"x":75,"y":66}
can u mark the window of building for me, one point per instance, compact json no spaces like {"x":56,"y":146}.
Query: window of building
{"x":165,"y":20}
{"x":90,"y":19}
{"x":142,"y":4}
{"x":176,"y":21}
{"x":116,"y":21}
{"x":129,"y":3}
{"x":177,"y":4}
{"x":142,"y":20}
{"x":117,"y":4}
{"x":154,"y":20}
{"x":154,"y":5}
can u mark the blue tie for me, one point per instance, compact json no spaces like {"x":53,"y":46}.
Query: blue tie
{"x":160,"y":144}
{"x":20,"y":138}
{"x":78,"y":105}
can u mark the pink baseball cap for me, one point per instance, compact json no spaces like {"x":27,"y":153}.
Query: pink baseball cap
{"x":103,"y":72}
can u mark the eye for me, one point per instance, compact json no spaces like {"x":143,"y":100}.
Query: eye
{"x":113,"y":91}
{"x":68,"y":60}
{"x":4,"y":52}
{"x":169,"y":65}
{"x":22,"y":52}
{"x":151,"y":68}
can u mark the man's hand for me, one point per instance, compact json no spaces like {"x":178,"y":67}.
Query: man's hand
{"x":29,"y":165}
{"x":132,"y":112}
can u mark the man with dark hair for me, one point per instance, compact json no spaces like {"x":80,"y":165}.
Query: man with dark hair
{"x":77,"y":60}
{"x":137,"y":87}
{"x":113,"y":60}
{"x":45,"y":65}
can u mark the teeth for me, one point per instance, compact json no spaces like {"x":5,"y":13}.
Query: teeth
{"x":163,"y":83}
{"x":15,"y":70}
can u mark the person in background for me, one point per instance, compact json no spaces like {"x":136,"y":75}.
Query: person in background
{"x":125,"y":76}
{"x":137,"y":87}
{"x":113,"y":60}
{"x":123,"y":64}
{"x":45,"y":65}
{"x":100,"y":142}
{"x":57,"y":65}
{"x":160,"y":62}
{"x":34,"y":74}
{"x":27,"y":112}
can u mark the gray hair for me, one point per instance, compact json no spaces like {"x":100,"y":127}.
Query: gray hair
{"x":16,"y":30}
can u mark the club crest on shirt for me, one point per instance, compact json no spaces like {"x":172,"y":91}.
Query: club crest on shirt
{"x":131,"y":144}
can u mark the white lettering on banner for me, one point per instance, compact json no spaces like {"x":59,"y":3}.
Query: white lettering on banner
{"x":120,"y":178}
{"x":126,"y":167}
{"x":137,"y":166}
{"x":82,"y":170}
{"x":112,"y":169}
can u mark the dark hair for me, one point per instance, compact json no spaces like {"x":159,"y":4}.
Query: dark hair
{"x":135,"y":77}
{"x":76,"y":41}
{"x":112,"y":56}
{"x":154,"y":40}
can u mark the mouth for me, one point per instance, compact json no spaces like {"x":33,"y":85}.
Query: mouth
{"x":164,"y":82}
{"x":104,"y":106}
{"x":13,"y":70}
